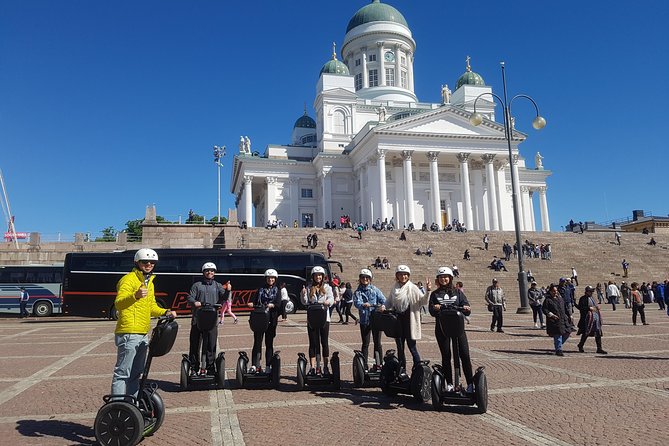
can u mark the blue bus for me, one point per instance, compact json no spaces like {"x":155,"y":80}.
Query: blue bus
{"x":42,"y":282}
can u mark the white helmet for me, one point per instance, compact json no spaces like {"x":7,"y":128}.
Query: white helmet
{"x":402,"y":269}
{"x":444,"y":271}
{"x":365,"y":272}
{"x":317,"y":270}
{"x":271,"y":273}
{"x":209,"y":265}
{"x":146,"y":254}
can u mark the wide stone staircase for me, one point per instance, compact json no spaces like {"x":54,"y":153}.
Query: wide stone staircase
{"x":596,"y":256}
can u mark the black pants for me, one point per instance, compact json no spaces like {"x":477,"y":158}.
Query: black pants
{"x":598,"y":339}
{"x":365,"y":331}
{"x":445,"y":348}
{"x":317,"y":338}
{"x":283,"y":309}
{"x":405,"y":338}
{"x":638,"y":309}
{"x":208,"y":340}
{"x":497,"y":317}
{"x":269,"y":335}
{"x":349,"y":314}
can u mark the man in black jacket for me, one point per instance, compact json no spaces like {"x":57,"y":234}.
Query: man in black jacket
{"x":590,"y":323}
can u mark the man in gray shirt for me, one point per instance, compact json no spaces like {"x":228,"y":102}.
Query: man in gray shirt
{"x":494,"y":297}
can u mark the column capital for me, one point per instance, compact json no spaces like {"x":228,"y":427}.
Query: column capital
{"x":270,"y":180}
{"x":406,"y":154}
{"x":488,"y":158}
{"x":524,"y":189}
{"x":542,"y":189}
{"x":509,"y":189}
{"x":432,"y":156}
{"x":380,"y":44}
{"x":248,"y":179}
{"x":463,"y":157}
{"x":381,"y":154}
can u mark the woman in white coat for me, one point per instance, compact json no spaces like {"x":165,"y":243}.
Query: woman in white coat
{"x":406,"y":299}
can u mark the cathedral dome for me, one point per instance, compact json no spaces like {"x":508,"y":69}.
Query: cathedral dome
{"x":334,"y":66}
{"x":376,"y":12}
{"x":305,"y":122}
{"x":469,"y":78}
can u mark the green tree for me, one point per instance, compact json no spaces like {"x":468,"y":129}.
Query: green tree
{"x":108,"y":235}
{"x":214,"y":220}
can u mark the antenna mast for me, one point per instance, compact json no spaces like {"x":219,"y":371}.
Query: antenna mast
{"x":8,"y":212}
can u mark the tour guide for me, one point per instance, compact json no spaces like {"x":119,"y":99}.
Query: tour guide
{"x":136,"y":304}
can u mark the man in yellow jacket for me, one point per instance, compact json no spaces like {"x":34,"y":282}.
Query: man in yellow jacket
{"x":136,"y":304}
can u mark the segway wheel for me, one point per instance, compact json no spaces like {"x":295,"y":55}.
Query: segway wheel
{"x":481,"y":389}
{"x":276,"y":371}
{"x":185,"y":369}
{"x":119,"y":423}
{"x":158,"y":412}
{"x":437,"y":386}
{"x":301,"y":373}
{"x":336,"y":376}
{"x":358,"y":371}
{"x":220,"y":370}
{"x":241,"y":369}
{"x":421,"y":383}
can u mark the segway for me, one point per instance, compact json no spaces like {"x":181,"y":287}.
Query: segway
{"x":363,"y":376}
{"x":206,"y":318}
{"x":392,"y":379}
{"x":124,"y":420}
{"x":452,"y":323}
{"x":259,"y":320}
{"x":316,"y":319}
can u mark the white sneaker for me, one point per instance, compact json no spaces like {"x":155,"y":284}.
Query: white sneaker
{"x":536,"y":325}
{"x":252,"y":369}
{"x":470,"y":388}
{"x":449,"y":387}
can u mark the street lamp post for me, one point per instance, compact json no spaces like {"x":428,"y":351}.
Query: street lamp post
{"x":538,"y":123}
{"x":219,"y":152}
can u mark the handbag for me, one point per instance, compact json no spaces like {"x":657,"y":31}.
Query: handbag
{"x":490,"y":307}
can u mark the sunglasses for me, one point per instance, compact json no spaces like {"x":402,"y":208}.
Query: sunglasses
{"x":209,"y":270}
{"x":147,"y":262}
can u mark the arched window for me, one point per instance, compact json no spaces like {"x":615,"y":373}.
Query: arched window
{"x":338,"y":123}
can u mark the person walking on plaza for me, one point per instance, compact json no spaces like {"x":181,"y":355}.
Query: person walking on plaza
{"x":136,"y":305}
{"x":626,"y":292}
{"x":590,"y":322}
{"x":574,"y":276}
{"x":329,"y":247}
{"x":23,"y":303}
{"x":558,"y":322}
{"x":367,"y":299}
{"x":637,"y":304}
{"x":284,"y":301}
{"x":486,"y":240}
{"x":612,"y":294}
{"x":625,"y":264}
{"x":494,"y":297}
{"x":347,"y":302}
{"x":206,"y":291}
{"x":536,"y":298}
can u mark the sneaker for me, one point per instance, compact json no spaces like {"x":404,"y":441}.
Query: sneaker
{"x":312,"y":372}
{"x":602,"y":352}
{"x":259,"y":369}
{"x":449,"y":387}
{"x":252,"y":369}
{"x":319,"y":371}
{"x":470,"y":388}
{"x":580,"y":349}
{"x":543,"y":325}
{"x":559,"y":353}
{"x":203,"y":372}
{"x":344,"y":323}
{"x":499,"y":330}
{"x":326,"y":371}
{"x":268,"y":369}
{"x":194,"y":372}
{"x":356,"y":322}
{"x":646,"y":323}
{"x":235,"y":321}
{"x":536,"y":325}
{"x":220,"y":322}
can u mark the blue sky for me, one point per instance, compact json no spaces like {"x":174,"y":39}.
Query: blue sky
{"x":106,"y":107}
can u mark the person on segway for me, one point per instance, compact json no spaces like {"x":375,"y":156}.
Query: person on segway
{"x":136,"y":305}
{"x":449,"y":295}
{"x":206,"y":291}
{"x":268,"y":298}
{"x":406,"y":299}
{"x":321,"y":293}
{"x":366,"y":299}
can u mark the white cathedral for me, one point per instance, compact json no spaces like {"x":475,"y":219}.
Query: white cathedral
{"x":376,"y":152}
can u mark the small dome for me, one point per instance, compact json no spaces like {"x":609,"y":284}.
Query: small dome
{"x":305,"y":121}
{"x":334,"y":66}
{"x":469,"y":77}
{"x":376,"y":12}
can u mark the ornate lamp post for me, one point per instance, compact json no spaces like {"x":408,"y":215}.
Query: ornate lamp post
{"x":538,"y":123}
{"x":219,"y":152}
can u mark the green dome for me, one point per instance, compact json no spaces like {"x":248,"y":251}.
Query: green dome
{"x":376,"y":12}
{"x":334,"y":66}
{"x":469,"y":77}
{"x":305,"y":121}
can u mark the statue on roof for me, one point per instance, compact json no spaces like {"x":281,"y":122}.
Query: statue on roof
{"x":244,"y":145}
{"x":247,"y":144}
{"x":538,"y":164}
{"x":445,"y":94}
{"x":382,"y":113}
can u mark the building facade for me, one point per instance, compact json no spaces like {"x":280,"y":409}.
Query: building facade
{"x":375,"y":152}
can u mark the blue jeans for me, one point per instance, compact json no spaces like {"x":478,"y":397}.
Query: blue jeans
{"x":559,"y":340}
{"x":536,"y":310}
{"x":130,"y":361}
{"x":23,"y":311}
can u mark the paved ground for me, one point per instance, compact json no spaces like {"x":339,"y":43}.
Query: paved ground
{"x":54,"y":372}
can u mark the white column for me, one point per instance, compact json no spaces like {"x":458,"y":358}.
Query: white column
{"x":449,"y":208}
{"x":397,"y":64}
{"x":466,"y":193}
{"x":516,"y":190}
{"x":372,"y":193}
{"x":434,"y":187}
{"x":361,"y":182}
{"x":326,"y":202}
{"x":532,"y":219}
{"x":383,"y":192}
{"x":410,"y":69}
{"x":525,"y":206}
{"x":365,"y":78}
{"x":294,"y":202}
{"x":270,"y":199}
{"x":408,"y":186}
{"x":492,"y":191}
{"x":248,"y":201}
{"x":479,"y":206}
{"x":543,"y":205}
{"x":381,"y":64}
{"x":400,"y":219}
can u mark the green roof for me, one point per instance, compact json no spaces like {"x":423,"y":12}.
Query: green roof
{"x":305,"y":121}
{"x":376,"y":12}
{"x":469,"y":77}
{"x":334,"y":66}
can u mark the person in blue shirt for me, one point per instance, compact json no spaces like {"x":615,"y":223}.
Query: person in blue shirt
{"x":367,"y":298}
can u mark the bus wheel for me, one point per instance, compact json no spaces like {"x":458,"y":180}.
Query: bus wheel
{"x":42,"y":308}
{"x":113,"y":313}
